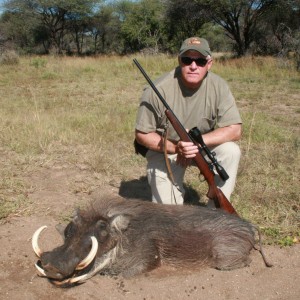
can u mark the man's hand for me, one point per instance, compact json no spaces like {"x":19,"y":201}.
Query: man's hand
{"x":186,"y":151}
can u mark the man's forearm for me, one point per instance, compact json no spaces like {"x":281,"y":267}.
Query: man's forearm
{"x":154,"y":141}
{"x":222,"y":135}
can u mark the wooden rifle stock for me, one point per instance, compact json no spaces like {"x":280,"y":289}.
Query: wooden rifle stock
{"x":214,"y":192}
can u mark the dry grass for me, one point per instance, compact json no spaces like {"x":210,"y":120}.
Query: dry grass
{"x":82,"y":111}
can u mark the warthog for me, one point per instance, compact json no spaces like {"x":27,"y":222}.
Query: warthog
{"x":129,"y":237}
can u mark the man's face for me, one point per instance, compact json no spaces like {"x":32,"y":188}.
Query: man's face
{"x":193,"y":71}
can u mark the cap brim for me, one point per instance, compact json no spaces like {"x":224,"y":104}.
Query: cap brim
{"x":203,"y":52}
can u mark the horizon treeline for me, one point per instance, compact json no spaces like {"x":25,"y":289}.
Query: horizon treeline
{"x":91,"y":27}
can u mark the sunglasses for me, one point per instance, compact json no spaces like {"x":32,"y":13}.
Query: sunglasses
{"x":200,"y":62}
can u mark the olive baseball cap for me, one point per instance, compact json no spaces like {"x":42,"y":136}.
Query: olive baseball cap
{"x":195,"y":43}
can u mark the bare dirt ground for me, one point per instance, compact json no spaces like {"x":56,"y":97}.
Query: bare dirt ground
{"x":56,"y":191}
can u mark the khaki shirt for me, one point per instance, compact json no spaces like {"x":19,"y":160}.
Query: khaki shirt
{"x":211,"y":106}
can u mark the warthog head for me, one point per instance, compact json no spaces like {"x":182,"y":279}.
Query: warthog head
{"x":85,"y":238}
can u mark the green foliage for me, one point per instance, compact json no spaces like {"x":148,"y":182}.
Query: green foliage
{"x":287,"y":241}
{"x":274,"y":234}
{"x":47,"y":22}
{"x":126,"y":26}
{"x":182,"y":19}
{"x":142,"y":26}
{"x":38,"y":62}
{"x":214,"y":33}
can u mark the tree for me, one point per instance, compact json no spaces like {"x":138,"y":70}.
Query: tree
{"x":56,"y":17}
{"x":105,"y":30}
{"x":99,"y":26}
{"x":142,"y":25}
{"x":182,"y":19}
{"x":284,"y":28}
{"x":15,"y":32}
{"x":78,"y":19}
{"x":239,"y":18}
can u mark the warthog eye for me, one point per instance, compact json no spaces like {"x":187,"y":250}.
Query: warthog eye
{"x":101,"y":229}
{"x":103,"y":233}
{"x":100,"y":225}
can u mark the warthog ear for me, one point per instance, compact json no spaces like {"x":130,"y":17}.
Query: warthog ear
{"x":119,"y":222}
{"x":61,"y":229}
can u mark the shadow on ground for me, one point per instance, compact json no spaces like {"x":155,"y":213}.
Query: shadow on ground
{"x":140,"y":189}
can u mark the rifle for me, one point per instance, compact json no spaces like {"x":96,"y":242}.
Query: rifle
{"x":194,"y":136}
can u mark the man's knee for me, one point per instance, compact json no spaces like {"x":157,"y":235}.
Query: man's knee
{"x":235,"y":150}
{"x":229,"y":152}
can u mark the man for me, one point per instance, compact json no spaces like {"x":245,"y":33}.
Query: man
{"x":199,"y":98}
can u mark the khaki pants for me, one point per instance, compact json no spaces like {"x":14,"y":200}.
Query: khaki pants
{"x":163,"y":191}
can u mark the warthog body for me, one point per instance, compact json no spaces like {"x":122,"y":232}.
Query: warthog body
{"x":137,"y":236}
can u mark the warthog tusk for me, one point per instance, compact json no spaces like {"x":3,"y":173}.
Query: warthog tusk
{"x":41,"y":271}
{"x":85,"y":262}
{"x":69,"y":280}
{"x":34,"y":241}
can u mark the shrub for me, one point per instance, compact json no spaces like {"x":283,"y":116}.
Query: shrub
{"x":9,"y":58}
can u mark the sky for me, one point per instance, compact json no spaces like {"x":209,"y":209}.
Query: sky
{"x":1,"y":2}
